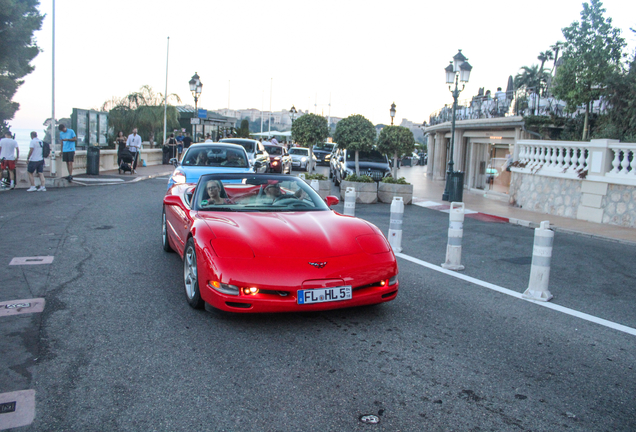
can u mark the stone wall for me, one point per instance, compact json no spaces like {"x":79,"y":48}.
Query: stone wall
{"x":579,"y":199}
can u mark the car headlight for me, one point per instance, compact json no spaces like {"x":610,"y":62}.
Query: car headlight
{"x":277,"y":158}
{"x":224,"y":288}
{"x":178,"y":177}
{"x":393,"y":280}
{"x":304,"y":159}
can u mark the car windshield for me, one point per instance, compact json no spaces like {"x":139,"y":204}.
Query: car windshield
{"x":255,"y":193}
{"x":328,"y":147}
{"x":372,"y":156}
{"x":299,"y":151}
{"x":215,"y":156}
{"x":274,"y":150}
{"x":247,"y":145}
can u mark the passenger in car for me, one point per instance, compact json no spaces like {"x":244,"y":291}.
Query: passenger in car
{"x":202,"y":159}
{"x":274,"y":192}
{"x":215,"y":194}
{"x":233,"y":160}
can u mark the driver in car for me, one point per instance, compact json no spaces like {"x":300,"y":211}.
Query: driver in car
{"x":233,"y":160}
{"x":274,"y":192}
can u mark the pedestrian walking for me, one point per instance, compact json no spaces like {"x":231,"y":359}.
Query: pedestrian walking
{"x":133,"y":143}
{"x":187,"y":141}
{"x":69,"y":139}
{"x":120,"y":142}
{"x":179,"y":144}
{"x":9,"y":153}
{"x":171,"y":142}
{"x":36,"y":163}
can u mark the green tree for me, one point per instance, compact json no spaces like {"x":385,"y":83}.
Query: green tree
{"x":396,"y":141}
{"x":144,"y":110}
{"x":309,"y":130}
{"x":620,"y":120}
{"x":244,"y":130}
{"x":355,"y":133}
{"x":592,"y":52}
{"x":532,"y":79}
{"x":18,"y":20}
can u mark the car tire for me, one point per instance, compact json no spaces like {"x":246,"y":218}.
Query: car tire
{"x":165,"y":242}
{"x":191,"y":276}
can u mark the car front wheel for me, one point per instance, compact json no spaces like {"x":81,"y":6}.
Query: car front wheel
{"x":164,"y":233}
{"x":191,"y":276}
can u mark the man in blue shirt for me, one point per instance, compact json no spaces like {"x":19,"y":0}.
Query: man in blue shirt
{"x":69,"y":139}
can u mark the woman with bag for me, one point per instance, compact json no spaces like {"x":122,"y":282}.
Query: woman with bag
{"x":120,"y":141}
{"x":172,"y":145}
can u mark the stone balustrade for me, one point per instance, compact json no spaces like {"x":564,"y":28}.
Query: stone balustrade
{"x":594,"y":181}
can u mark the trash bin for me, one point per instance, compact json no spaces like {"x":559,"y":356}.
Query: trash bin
{"x":456,"y":187}
{"x":92,"y":160}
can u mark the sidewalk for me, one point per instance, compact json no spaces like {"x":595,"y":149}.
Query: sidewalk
{"x":113,"y":177}
{"x":428,"y":193}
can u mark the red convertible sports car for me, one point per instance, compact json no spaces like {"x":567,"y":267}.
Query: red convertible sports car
{"x":269,"y":243}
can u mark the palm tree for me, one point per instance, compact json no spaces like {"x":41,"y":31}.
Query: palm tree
{"x":530,"y":78}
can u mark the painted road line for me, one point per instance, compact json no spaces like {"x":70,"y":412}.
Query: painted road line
{"x":517,"y":295}
{"x":17,"y":409}
{"x":31,"y":260}
{"x":16,"y":307}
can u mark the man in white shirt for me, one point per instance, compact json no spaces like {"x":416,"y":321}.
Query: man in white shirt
{"x":9,"y":153}
{"x":36,"y":163}
{"x":274,"y":141}
{"x":134,"y":145}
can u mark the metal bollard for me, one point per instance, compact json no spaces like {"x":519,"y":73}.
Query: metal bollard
{"x":315,"y":185}
{"x":455,"y":234}
{"x":540,"y":269}
{"x":395,"y":225}
{"x":350,"y":202}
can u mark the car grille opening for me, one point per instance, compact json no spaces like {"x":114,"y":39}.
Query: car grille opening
{"x":391,"y":294}
{"x":274,"y":292}
{"x":377,"y":284}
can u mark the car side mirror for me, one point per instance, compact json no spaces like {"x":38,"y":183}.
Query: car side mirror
{"x":331,"y":200}
{"x":258,"y":164}
{"x":172,"y":200}
{"x":174,"y":162}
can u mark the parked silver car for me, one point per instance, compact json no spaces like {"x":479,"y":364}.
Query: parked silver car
{"x":300,"y":158}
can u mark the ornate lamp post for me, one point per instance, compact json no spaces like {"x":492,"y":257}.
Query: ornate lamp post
{"x":196,"y":86}
{"x":292,"y":114}
{"x":392,"y":112}
{"x":458,"y":70}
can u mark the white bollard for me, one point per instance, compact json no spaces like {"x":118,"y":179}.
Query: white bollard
{"x":540,"y":270}
{"x":455,"y":234}
{"x":315,"y":185}
{"x":350,"y":202}
{"x":301,"y":176}
{"x":395,"y":225}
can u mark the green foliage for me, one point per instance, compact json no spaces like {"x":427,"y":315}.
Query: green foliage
{"x":310,"y":130}
{"x":316,"y":177}
{"x":19,"y":19}
{"x":143,"y":110}
{"x":396,"y":141}
{"x":592,"y":52}
{"x":359,"y":178}
{"x":244,"y":130}
{"x":355,"y":133}
{"x":531,"y":78}
{"x":393,"y":180}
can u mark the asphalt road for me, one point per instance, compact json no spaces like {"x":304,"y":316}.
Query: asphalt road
{"x":117,"y":347}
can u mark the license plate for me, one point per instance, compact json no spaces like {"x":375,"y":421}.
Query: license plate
{"x":322,"y":295}
{"x":296,"y":163}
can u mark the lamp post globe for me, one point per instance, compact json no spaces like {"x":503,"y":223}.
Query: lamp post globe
{"x":392,"y":111}
{"x":458,"y":70}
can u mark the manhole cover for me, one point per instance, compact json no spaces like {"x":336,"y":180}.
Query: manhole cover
{"x":370,"y":419}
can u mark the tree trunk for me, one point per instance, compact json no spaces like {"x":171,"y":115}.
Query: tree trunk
{"x":310,"y":163}
{"x":395,"y":165}
{"x":585,"y":125}
{"x":357,"y":164}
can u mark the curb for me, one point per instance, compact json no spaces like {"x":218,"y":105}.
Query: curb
{"x":110,"y":183}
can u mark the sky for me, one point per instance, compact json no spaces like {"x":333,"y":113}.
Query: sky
{"x":359,"y":55}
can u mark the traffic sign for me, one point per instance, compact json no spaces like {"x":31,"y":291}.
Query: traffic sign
{"x":203,"y":113}
{"x":195,"y":121}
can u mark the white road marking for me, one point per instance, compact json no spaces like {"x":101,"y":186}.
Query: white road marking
{"x":31,"y":260}
{"x":517,"y":295}
{"x":17,"y":409}
{"x":98,"y":179}
{"x":15,"y":307}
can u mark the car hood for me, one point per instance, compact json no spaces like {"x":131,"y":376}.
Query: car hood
{"x":317,"y":234}
{"x":193,"y":173}
{"x":369,"y":165}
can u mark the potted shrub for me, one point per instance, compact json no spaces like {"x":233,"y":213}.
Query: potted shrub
{"x":366,"y":188}
{"x":391,"y":187}
{"x":324,"y":184}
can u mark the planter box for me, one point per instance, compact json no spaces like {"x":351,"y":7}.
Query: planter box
{"x":366,"y":193}
{"x":386,"y":192}
{"x":324,"y":187}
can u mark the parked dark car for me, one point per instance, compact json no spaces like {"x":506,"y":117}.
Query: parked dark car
{"x":258,"y":157}
{"x":371,"y":163}
{"x":279,"y":159}
{"x":323,"y":152}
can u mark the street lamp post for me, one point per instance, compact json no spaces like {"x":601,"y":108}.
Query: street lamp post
{"x":458,"y":70}
{"x":292,"y":114}
{"x":392,"y":112}
{"x":196,"y":86}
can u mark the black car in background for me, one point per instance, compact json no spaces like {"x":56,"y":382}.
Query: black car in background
{"x":371,"y":163}
{"x":323,"y":152}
